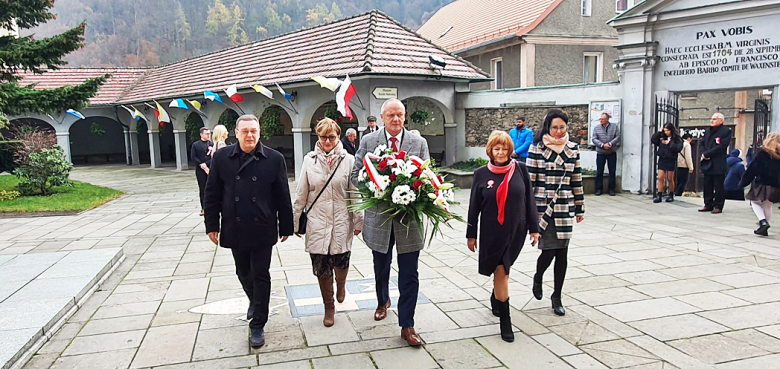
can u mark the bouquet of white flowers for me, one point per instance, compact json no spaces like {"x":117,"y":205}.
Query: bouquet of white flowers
{"x":408,"y":186}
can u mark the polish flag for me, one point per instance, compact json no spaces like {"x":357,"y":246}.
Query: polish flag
{"x":233,"y":94}
{"x":343,"y":96}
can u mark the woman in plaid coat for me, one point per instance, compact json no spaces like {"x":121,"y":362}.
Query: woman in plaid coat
{"x":555,"y":172}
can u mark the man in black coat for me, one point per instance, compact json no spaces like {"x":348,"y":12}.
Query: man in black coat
{"x":714,"y":150}
{"x":248,"y":188}
{"x":200,"y":154}
{"x":349,"y":141}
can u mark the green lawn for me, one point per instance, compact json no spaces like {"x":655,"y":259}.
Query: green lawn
{"x":82,"y":196}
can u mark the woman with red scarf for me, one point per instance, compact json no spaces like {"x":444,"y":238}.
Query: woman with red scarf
{"x":555,"y":172}
{"x":502,"y":194}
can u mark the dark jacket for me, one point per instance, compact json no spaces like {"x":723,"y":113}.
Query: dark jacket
{"x":199,"y":153}
{"x":669,"y":151}
{"x":351,"y":149}
{"x":735,"y":173}
{"x":763,"y":169}
{"x":253,"y":198}
{"x":714,"y":145}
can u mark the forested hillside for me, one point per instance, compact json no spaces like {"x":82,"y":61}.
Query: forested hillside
{"x":138,"y":33}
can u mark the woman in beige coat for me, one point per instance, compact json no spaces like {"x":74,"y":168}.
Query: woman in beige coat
{"x":330,"y":226}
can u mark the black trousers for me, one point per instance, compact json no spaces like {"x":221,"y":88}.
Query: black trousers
{"x":714,"y":195}
{"x":408,"y":281}
{"x":559,"y":271}
{"x":253,"y":270}
{"x":682,"y":181}
{"x":201,"y":176}
{"x":611,"y":161}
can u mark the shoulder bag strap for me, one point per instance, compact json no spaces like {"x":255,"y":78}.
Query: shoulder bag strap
{"x":325,"y":186}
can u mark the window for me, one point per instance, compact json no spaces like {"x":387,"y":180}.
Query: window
{"x":623,"y":5}
{"x":593,"y":66}
{"x":587,"y":7}
{"x":496,"y":70}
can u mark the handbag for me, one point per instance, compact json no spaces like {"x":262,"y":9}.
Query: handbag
{"x":304,"y":218}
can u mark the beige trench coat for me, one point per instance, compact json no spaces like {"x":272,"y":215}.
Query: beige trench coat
{"x":331,"y":226}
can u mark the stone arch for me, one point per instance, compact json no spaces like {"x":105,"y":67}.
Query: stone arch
{"x":193,"y":122}
{"x":434,"y":130}
{"x":97,"y":140}
{"x":19,"y":122}
{"x":142,"y":130}
{"x":329,"y":108}
{"x":228,"y":119}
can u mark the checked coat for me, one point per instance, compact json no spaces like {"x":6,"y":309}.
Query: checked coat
{"x":557,"y":182}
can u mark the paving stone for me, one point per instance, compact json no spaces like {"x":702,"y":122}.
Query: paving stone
{"x":684,"y":287}
{"x":594,"y":283}
{"x":711,"y":300}
{"x":667,"y":353}
{"x":54,"y":346}
{"x":619,"y":353}
{"x":748,"y":279}
{"x":547,"y":318}
{"x":769,"y":361}
{"x":317,"y":334}
{"x":609,"y":296}
{"x":524,"y":352}
{"x":41,"y":361}
{"x":303,"y":364}
{"x":647,"y":309}
{"x":177,"y":312}
{"x":459,"y":305}
{"x":746,"y":316}
{"x":187,"y":289}
{"x":357,"y":361}
{"x":226,"y":363}
{"x":366,"y":346}
{"x":677,"y":327}
{"x":118,"y":359}
{"x":583,"y":333}
{"x":622,"y":267}
{"x":113,"y":325}
{"x":133,"y":297}
{"x":474,"y":317}
{"x":462,"y":354}
{"x":584,"y":361}
{"x":280,"y":341}
{"x":757,"y":294}
{"x":105,"y":342}
{"x":645,"y":277}
{"x":117,"y":311}
{"x":403,"y":358}
{"x":702,"y":271}
{"x":442,"y":290}
{"x":755,"y":338}
{"x":556,"y":344}
{"x":717,"y":348}
{"x":166,"y":345}
{"x":221,"y":342}
{"x":292,"y":355}
{"x":368,"y":329}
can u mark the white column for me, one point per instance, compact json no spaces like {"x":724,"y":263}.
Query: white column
{"x":136,"y":158}
{"x":638,"y":106}
{"x":180,"y":138}
{"x":301,"y":145}
{"x":527,"y":65}
{"x":451,"y":143}
{"x":63,"y":139}
{"x":154,"y":149}
{"x":774,"y":113}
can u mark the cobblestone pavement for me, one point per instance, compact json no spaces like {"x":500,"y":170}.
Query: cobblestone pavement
{"x":648,"y":286}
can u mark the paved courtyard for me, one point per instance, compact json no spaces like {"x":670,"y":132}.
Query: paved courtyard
{"x":651,"y":286}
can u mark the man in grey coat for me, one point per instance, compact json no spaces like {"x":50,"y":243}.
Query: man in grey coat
{"x":381,"y":235}
{"x":606,"y":138}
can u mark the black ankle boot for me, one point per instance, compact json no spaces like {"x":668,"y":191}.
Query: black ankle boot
{"x":557,"y":306}
{"x":494,"y":304}
{"x":658,"y":197}
{"x":537,"y":289}
{"x":763,"y":227}
{"x":506,"y":321}
{"x":670,"y":197}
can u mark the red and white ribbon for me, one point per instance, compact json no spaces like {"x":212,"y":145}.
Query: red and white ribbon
{"x":373,"y":173}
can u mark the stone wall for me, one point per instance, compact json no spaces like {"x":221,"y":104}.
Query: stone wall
{"x":481,"y":122}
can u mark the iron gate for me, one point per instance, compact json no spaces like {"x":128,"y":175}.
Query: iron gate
{"x":760,"y":124}
{"x":666,"y":111}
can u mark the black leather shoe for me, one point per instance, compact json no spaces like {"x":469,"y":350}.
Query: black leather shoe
{"x":612,"y":192}
{"x":557,"y":306}
{"x":258,"y":338}
{"x":250,"y":313}
{"x":494,"y":304}
{"x":763,"y":227}
{"x":598,"y":192}
{"x":537,"y":289}
{"x":670,"y":197}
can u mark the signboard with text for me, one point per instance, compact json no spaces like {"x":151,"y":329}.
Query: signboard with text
{"x":386,"y":92}
{"x":720,"y":55}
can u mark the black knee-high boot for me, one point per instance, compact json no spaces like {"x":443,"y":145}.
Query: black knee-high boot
{"x":494,"y":304}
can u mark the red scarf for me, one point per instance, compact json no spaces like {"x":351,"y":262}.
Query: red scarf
{"x":503,"y":188}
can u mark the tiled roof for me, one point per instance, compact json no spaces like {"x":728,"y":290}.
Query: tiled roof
{"x":121,"y":80}
{"x":478,"y":21}
{"x":370,"y":43}
{"x":366,"y":44}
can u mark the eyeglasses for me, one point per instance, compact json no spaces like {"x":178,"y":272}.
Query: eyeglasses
{"x":329,"y":138}
{"x":253,"y":132}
